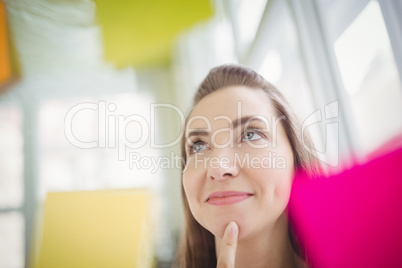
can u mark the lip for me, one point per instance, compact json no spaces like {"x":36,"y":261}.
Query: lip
{"x":227,"y":198}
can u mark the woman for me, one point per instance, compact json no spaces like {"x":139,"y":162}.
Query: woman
{"x":241,"y":147}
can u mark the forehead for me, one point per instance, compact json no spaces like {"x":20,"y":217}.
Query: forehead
{"x":232,"y":102}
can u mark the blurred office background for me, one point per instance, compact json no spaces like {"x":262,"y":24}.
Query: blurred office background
{"x":119,"y":57}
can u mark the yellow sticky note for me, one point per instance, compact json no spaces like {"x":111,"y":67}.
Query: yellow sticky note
{"x":100,"y":229}
{"x":140,"y":33}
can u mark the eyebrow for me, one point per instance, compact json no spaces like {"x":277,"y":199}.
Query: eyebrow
{"x":198,"y":133}
{"x":235,"y":123}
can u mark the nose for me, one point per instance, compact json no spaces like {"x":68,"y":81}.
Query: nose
{"x":222,"y":165}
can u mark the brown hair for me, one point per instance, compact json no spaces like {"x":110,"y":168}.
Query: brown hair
{"x":197,"y":248}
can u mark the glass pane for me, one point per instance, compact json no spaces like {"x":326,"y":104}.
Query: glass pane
{"x":11,"y":240}
{"x":11,"y":156}
{"x":370,"y":77}
{"x":337,"y":15}
{"x":85,"y":143}
{"x":283,"y":66}
{"x":249,"y":15}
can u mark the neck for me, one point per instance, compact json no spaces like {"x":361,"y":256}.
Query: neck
{"x":270,"y":249}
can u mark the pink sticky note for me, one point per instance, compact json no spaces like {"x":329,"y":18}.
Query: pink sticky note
{"x":352,"y":219}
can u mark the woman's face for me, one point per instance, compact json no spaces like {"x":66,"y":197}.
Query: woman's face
{"x":239,"y":162}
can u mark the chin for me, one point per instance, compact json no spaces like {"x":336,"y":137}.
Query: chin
{"x":218,"y":225}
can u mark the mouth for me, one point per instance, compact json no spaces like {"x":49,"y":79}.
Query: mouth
{"x":227,"y":198}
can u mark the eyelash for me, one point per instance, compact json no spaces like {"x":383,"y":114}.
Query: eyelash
{"x":253,"y":130}
{"x":198,"y":141}
{"x":192,"y":145}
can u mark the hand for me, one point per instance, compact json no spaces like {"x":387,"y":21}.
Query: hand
{"x":226,"y":258}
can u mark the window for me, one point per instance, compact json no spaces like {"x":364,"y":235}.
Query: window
{"x":11,"y":157}
{"x":367,"y":69}
{"x":11,"y":187}
{"x":283,"y":66}
{"x":11,"y":239}
{"x":248,"y":16}
{"x":80,"y":143}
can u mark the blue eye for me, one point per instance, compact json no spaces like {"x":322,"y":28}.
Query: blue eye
{"x":250,"y":136}
{"x":197,"y":147}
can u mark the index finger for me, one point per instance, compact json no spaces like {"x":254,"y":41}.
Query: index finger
{"x":227,"y":253}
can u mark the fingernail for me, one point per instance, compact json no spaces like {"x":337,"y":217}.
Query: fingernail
{"x":232,"y":228}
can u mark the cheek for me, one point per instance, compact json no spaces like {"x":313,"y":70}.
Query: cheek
{"x":192,"y":185}
{"x":194,"y":177}
{"x":275,"y":188}
{"x":275,"y":178}
{"x":189,"y":186}
{"x":283,"y":188}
